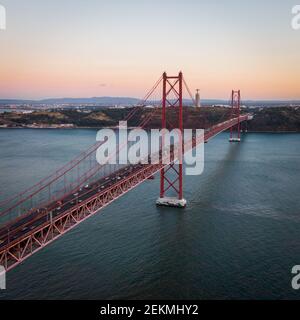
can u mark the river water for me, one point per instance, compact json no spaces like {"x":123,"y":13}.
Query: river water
{"x":238,"y":238}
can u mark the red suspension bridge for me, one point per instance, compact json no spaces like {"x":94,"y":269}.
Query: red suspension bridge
{"x":41,"y":214}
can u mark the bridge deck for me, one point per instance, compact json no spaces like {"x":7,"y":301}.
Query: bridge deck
{"x":29,"y":233}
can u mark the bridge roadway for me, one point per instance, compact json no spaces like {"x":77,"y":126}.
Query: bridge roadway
{"x":31,"y":221}
{"x":29,"y":233}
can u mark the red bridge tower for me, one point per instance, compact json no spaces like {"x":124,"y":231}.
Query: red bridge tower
{"x":171,"y":177}
{"x":235,"y":131}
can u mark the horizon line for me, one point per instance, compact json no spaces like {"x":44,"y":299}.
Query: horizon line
{"x":135,"y":98}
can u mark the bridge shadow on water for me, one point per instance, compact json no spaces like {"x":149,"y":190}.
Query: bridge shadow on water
{"x":186,"y":245}
{"x":211,"y":182}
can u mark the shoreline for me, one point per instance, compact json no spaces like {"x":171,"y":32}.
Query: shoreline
{"x":98,"y":128}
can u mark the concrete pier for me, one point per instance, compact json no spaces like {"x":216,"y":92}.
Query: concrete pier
{"x":171,"y":202}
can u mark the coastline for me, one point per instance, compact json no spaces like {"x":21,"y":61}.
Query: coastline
{"x":98,"y":128}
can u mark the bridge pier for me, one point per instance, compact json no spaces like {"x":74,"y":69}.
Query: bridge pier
{"x":171,"y":202}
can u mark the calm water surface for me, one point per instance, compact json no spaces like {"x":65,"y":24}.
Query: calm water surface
{"x":238,"y":238}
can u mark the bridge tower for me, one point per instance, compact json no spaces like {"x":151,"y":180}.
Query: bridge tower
{"x":235,"y":131}
{"x":197,"y":99}
{"x":171,"y":177}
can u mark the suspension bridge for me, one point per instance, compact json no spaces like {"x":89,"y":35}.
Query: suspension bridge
{"x":36,"y":217}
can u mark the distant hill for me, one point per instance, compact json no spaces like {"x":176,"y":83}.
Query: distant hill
{"x":111,"y":101}
{"x":105,"y":101}
{"x":285,"y":119}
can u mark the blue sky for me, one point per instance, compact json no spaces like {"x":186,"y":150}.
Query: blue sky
{"x":94,"y":47}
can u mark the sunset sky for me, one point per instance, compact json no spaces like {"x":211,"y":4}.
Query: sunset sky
{"x":86,"y":48}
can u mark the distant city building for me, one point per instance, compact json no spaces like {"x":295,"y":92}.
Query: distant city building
{"x":221,"y":106}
